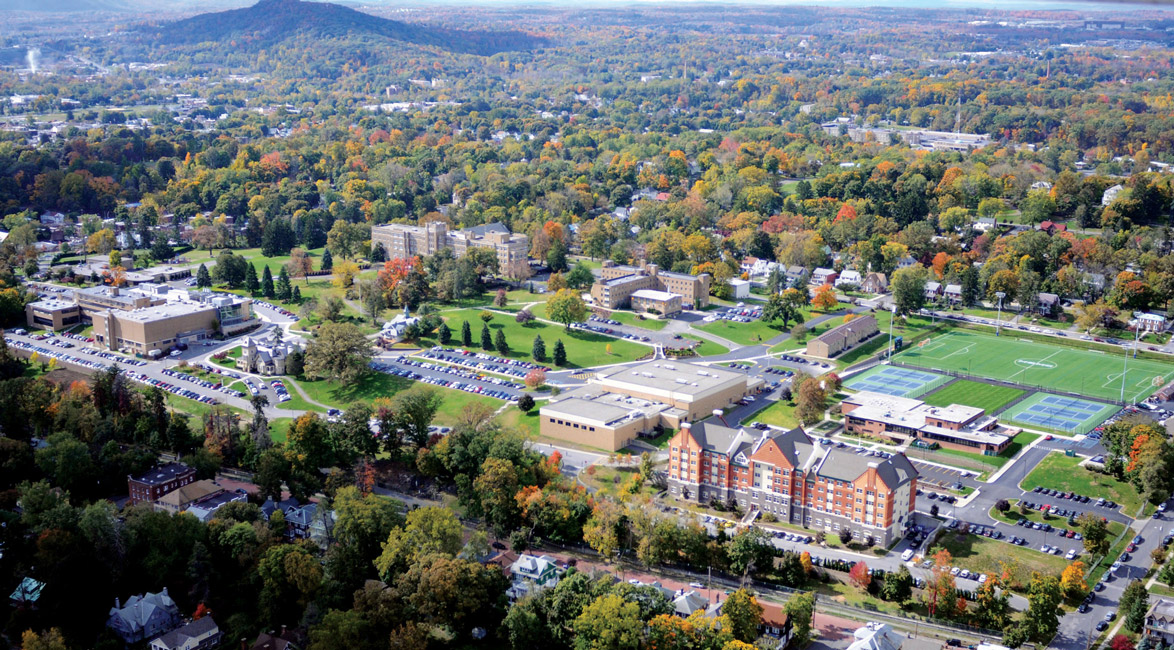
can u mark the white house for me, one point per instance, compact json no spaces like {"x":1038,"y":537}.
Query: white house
{"x":741,"y":289}
{"x":849,"y":277}
{"x":876,"y":636}
{"x":532,"y":573}
{"x":954,"y":293}
{"x":1110,"y":195}
{"x":395,"y":328}
{"x":197,"y":635}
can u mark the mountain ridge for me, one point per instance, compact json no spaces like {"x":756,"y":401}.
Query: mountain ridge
{"x":271,"y":21}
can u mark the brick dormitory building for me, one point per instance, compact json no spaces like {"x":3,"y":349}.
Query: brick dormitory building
{"x":153,"y":484}
{"x":787,"y":474}
{"x":651,"y":287}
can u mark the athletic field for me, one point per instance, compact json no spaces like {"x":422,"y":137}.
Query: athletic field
{"x":1030,"y":363}
{"x":1059,"y":413}
{"x":894,"y":380}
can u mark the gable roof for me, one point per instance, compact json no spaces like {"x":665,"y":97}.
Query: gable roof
{"x":194,"y":630}
{"x":139,"y":610}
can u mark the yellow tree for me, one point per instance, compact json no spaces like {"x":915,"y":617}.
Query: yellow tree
{"x":344,"y":274}
{"x":825,"y":298}
{"x":1072,"y":580}
{"x":101,"y":242}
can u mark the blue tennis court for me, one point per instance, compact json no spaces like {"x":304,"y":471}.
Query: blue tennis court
{"x":894,"y":380}
{"x":1059,"y":413}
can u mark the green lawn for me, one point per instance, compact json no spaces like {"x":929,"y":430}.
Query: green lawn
{"x":707,"y":348}
{"x":752,"y":333}
{"x":584,"y":349}
{"x":611,"y":480}
{"x":378,"y":384}
{"x":991,"y":556}
{"x":1021,"y":440}
{"x":260,"y":261}
{"x":779,"y":413}
{"x":1060,"y":472}
{"x":1034,"y":363}
{"x":990,"y":397}
{"x":629,"y":318}
{"x":279,"y":429}
{"x":527,"y":423}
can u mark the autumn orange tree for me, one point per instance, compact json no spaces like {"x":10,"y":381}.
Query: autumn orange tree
{"x":860,"y":576}
{"x":825,"y":298}
{"x":1072,"y":580}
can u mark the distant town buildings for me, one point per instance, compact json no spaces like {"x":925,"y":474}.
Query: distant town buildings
{"x":405,"y":241}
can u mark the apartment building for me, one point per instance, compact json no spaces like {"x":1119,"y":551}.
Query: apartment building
{"x":617,"y":283}
{"x":404,"y":241}
{"x":787,"y":474}
{"x":153,"y":484}
{"x":619,"y":405}
{"x":903,"y":419}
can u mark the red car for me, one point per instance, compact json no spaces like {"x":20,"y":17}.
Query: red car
{"x":1048,"y":438}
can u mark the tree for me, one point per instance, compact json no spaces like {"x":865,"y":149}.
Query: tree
{"x":486,"y":338}
{"x":1134,"y":604}
{"x":898,"y":587}
{"x":1037,"y":206}
{"x":538,"y":349}
{"x":443,"y":334}
{"x":331,"y":308}
{"x":429,"y":529}
{"x":203,"y":278}
{"x":556,"y":258}
{"x":535,"y":378}
{"x":800,"y":608}
{"x":811,"y":402}
{"x":290,"y":576}
{"x":526,"y":403}
{"x":500,"y":299}
{"x":415,"y":409}
{"x":466,"y":335}
{"x":1044,"y":597}
{"x":1072,"y":580}
{"x":1002,"y":505}
{"x":344,"y":274}
{"x":580,"y":277}
{"x":556,"y":282}
{"x":601,"y":532}
{"x":1120,"y":642}
{"x":340,"y":352}
{"x":230,"y":269}
{"x":566,"y":307}
{"x":524,"y":317}
{"x":908,"y":287}
{"x":299,"y":265}
{"x":609,"y":623}
{"x":499,"y":342}
{"x":267,"y":283}
{"x":750,"y":551}
{"x":327,"y":261}
{"x":560,"y":354}
{"x":101,"y":242}
{"x":1095,"y":533}
{"x":51,"y":639}
{"x":744,"y":615}
{"x":780,"y":308}
{"x":252,"y":284}
{"x":860,"y":576}
{"x":825,"y":298}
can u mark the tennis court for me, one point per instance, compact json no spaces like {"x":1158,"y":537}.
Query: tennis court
{"x":1008,"y":358}
{"x":894,"y":380}
{"x":1060,"y":413}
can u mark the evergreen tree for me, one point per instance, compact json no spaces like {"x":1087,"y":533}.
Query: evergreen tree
{"x":560,"y":353}
{"x":774,"y":282}
{"x":378,"y":255}
{"x":538,"y":351}
{"x":327,"y":260}
{"x":251,"y":281}
{"x":296,"y":296}
{"x":203,"y":278}
{"x":267,"y":283}
{"x":499,"y":342}
{"x":443,"y":334}
{"x":486,"y":338}
{"x":283,"y":288}
{"x":466,"y":335}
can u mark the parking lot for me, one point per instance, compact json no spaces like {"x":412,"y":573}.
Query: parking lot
{"x":450,"y":377}
{"x":481,"y":361}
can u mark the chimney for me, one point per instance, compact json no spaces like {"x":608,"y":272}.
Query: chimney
{"x":282,"y":630}
{"x":244,"y":645}
{"x":117,"y":603}
{"x":114,"y":291}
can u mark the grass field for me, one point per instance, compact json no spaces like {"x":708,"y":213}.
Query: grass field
{"x":584,"y":348}
{"x":751,"y":333}
{"x":1060,"y":472}
{"x":707,"y":348}
{"x":1034,"y":363}
{"x":779,"y":413}
{"x":973,"y":393}
{"x":629,"y":318}
{"x":990,"y":556}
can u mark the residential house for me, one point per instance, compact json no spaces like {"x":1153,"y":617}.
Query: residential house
{"x":933,"y":291}
{"x":1047,"y":303}
{"x":286,"y":506}
{"x":532,"y":573}
{"x":205,"y":509}
{"x":274,"y":641}
{"x":27,"y":593}
{"x":687,"y":602}
{"x":1110,"y":195}
{"x":310,"y":522}
{"x":265,"y":357}
{"x":875,"y":282}
{"x":985,"y":224}
{"x":1051,"y":227}
{"x":1147,"y":322}
{"x":776,"y":625}
{"x":1159,"y":621}
{"x":850,"y":278}
{"x":906,"y":262}
{"x":876,"y":636}
{"x":200,"y":634}
{"x":143,"y":617}
{"x":953,"y":293}
{"x":795,"y":275}
{"x":822,"y":276}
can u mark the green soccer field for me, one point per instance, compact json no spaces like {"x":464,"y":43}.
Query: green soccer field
{"x":1030,"y":363}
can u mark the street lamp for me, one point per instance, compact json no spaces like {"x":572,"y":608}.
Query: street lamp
{"x":999,"y":322}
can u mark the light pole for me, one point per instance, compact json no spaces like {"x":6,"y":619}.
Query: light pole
{"x":893,"y":310}
{"x":999,"y":322}
{"x":1125,"y":366}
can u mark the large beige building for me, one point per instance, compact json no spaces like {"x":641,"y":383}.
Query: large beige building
{"x":154,"y":330}
{"x":53,"y":314}
{"x":102,"y":297}
{"x":403,"y":241}
{"x":620,"y":404}
{"x":618,"y":283}
{"x":903,"y":419}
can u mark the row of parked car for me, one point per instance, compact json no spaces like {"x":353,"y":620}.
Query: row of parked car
{"x":481,"y":361}
{"x":175,"y":389}
{"x":604,"y":329}
{"x":461,"y":372}
{"x":1075,"y":498}
{"x":48,"y":353}
{"x":278,"y":308}
{"x":182,"y":376}
{"x":814,"y":364}
{"x":393,"y":368}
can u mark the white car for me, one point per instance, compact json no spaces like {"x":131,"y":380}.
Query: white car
{"x":907,"y":555}
{"x":1070,"y":555}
